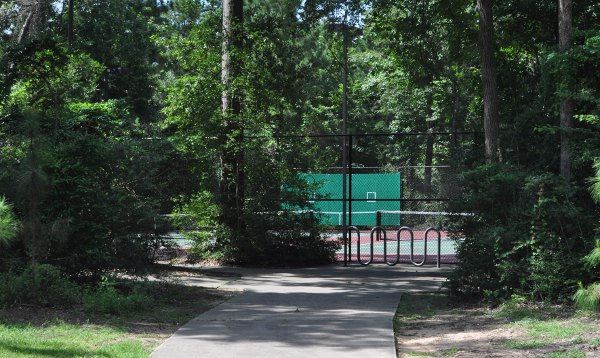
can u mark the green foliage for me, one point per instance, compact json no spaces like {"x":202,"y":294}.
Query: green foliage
{"x":592,"y":260}
{"x":54,"y":287}
{"x":285,"y":239}
{"x":595,"y":182}
{"x":8,"y":222}
{"x":206,"y":246}
{"x":523,"y":239}
{"x":107,"y":299}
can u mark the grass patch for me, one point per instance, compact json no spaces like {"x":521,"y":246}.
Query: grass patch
{"x":554,"y":329}
{"x":566,"y":354}
{"x":131,"y":319}
{"x":450,"y":352}
{"x":595,"y":342}
{"x":516,"y":312}
{"x":414,"y":307}
{"x":61,"y":339}
{"x":419,"y":354}
{"x":516,"y":344}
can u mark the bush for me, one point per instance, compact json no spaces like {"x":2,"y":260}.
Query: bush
{"x":284,"y":240}
{"x":54,"y":287}
{"x":8,"y":222}
{"x":588,"y":298}
{"x":206,"y":247}
{"x":107,"y":299}
{"x":526,"y":238}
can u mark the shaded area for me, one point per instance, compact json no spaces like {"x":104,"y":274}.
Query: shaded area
{"x":20,"y":350}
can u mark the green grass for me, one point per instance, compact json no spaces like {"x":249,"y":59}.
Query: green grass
{"x":517,"y":312}
{"x":67,"y":340}
{"x":414,"y":307}
{"x":515,"y":344}
{"x":566,"y":354}
{"x":418,"y":354}
{"x":595,"y":342}
{"x":553,"y":329}
{"x":450,"y":352}
{"x":543,"y":327}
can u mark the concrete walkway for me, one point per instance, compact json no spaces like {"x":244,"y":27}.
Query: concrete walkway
{"x":322,"y":312}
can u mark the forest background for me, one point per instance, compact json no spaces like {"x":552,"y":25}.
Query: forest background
{"x":115,"y":112}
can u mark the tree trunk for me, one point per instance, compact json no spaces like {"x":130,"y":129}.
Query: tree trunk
{"x":232,"y":172}
{"x":488,"y":77}
{"x":565,"y":38}
{"x":70,"y":25}
{"x":33,"y":18}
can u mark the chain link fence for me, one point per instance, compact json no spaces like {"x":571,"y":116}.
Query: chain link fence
{"x":399,"y":184}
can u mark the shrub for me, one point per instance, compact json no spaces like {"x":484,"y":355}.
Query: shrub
{"x":8,"y":222}
{"x":588,"y":298}
{"x":525,"y":239}
{"x":206,"y":247}
{"x":54,"y":287}
{"x":107,"y":299}
{"x":284,"y":240}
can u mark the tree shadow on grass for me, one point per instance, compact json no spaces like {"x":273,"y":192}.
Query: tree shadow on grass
{"x":25,"y":350}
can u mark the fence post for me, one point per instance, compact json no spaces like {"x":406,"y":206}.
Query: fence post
{"x":344,"y":193}
{"x":350,"y":180}
{"x":378,"y":221}
{"x":311,"y":222}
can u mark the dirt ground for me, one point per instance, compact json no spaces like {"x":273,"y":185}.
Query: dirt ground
{"x":479,"y":332}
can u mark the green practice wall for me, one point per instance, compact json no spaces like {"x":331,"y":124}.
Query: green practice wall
{"x":364,"y":186}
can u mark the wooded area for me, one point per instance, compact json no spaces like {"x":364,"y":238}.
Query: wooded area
{"x":113,"y":113}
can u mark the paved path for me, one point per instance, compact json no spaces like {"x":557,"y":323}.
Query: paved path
{"x":323,"y":312}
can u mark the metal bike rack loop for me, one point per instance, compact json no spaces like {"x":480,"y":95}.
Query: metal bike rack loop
{"x":398,"y":234}
{"x":378,"y":230}
{"x":360,"y":261}
{"x":412,"y":249}
{"x":439,"y":244}
{"x":350,"y":229}
{"x":391,"y":263}
{"x":358,"y":258}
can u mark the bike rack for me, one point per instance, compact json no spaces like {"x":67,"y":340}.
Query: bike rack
{"x":379,"y":233}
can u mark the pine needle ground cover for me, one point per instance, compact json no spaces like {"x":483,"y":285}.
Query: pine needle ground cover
{"x":430,"y":325}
